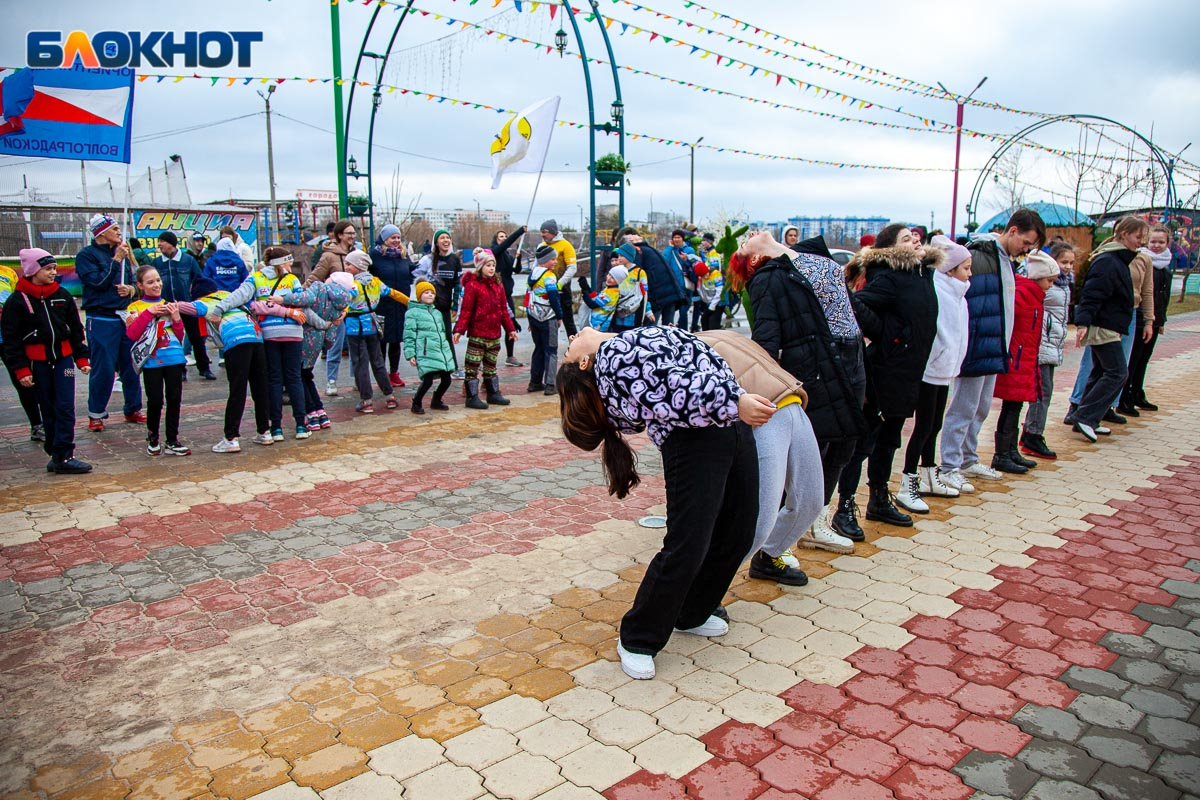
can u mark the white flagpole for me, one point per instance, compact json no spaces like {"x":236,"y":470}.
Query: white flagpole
{"x":529,"y":216}
{"x":125,"y":222}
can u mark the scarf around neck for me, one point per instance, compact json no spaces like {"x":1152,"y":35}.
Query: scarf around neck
{"x":1159,"y":260}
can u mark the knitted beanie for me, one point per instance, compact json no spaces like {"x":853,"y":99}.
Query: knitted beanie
{"x":35,"y":259}
{"x":421,"y":288}
{"x":628,"y":251}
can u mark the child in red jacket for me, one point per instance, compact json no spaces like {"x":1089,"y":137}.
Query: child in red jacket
{"x":43,"y":344}
{"x":1022,"y":383}
{"x":484,"y":317}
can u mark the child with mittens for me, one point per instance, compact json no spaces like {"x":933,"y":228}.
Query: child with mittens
{"x":427,"y":347}
{"x":1021,"y":383}
{"x":162,"y":373}
{"x":43,"y":342}
{"x":363,"y":334}
{"x":484,"y":317}
{"x":710,"y":286}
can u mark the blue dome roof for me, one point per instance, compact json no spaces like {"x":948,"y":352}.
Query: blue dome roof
{"x":1055,"y":215}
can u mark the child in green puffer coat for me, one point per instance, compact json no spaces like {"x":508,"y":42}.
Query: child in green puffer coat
{"x":427,"y":347}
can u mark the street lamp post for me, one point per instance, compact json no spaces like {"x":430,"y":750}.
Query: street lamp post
{"x":1170,"y":183}
{"x":270,"y":165}
{"x":959,"y":101}
{"x":692,"y":185}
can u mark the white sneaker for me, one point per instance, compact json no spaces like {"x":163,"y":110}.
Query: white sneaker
{"x":933,"y":485}
{"x":264,"y":439}
{"x":331,"y":389}
{"x":978,"y":470}
{"x":909,"y":496}
{"x":227,"y":446}
{"x":790,"y":559}
{"x":713,"y":626}
{"x":822,"y":537}
{"x":190,"y":360}
{"x":1088,"y":431}
{"x":636,"y":665}
{"x":220,"y":362}
{"x":1103,"y":431}
{"x":955,"y":480}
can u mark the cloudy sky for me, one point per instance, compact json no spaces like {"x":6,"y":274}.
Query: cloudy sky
{"x":1066,"y":56}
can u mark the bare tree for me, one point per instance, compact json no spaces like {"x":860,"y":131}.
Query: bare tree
{"x":1007,"y":178}
{"x":468,"y":231}
{"x":417,"y":230}
{"x":1111,"y":186}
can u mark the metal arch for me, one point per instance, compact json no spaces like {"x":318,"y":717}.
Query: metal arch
{"x":387,"y":53}
{"x":980,"y":182}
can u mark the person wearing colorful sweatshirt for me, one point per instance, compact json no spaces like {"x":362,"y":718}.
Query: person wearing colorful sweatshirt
{"x":325,"y":311}
{"x":43,"y":344}
{"x":604,"y":302}
{"x":545,"y":311}
{"x":283,"y":337}
{"x":427,"y":347}
{"x":25,"y":394}
{"x":363,"y":334}
{"x":484,"y":318}
{"x":163,"y":370}
{"x":710,"y":286}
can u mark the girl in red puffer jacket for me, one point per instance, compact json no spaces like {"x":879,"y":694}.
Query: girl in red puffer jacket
{"x":484,"y":317}
{"x":1022,"y":383}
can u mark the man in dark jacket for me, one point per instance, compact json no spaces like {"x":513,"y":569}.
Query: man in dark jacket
{"x":179,"y":271}
{"x":990,"y":302}
{"x":105,"y":268}
{"x":666,"y":293}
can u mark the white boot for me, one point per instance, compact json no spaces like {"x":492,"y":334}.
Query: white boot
{"x":823,"y":537}
{"x":954,"y":479}
{"x":909,"y":496}
{"x":933,"y":485}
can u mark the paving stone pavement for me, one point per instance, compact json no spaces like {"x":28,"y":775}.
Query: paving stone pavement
{"x":428,"y":608}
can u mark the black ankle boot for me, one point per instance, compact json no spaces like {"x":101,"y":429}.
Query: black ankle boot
{"x":1069,"y":419}
{"x":1144,"y":404}
{"x":1003,"y":462}
{"x":881,"y":509}
{"x":472,"y":389}
{"x":1035,"y":445}
{"x":1126,"y":406}
{"x":845,"y":521}
{"x":765,"y":568}
{"x":1112,"y":416}
{"x":493,"y":392}
{"x":1016,"y":456}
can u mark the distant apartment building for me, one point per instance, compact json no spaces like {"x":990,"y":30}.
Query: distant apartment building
{"x":445,"y":218}
{"x":840,"y":229}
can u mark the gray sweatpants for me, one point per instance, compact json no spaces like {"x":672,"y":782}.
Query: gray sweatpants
{"x":970,"y":402}
{"x":1035,"y":417}
{"x":788,"y":458}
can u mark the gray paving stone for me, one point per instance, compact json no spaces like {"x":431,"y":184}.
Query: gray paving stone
{"x":1174,"y":638}
{"x":1188,"y":606}
{"x":1188,"y":686}
{"x":142,"y":580}
{"x":1161,"y":615}
{"x":45,"y":603}
{"x":1050,"y":789}
{"x":47,"y":586}
{"x":1094,"y":681}
{"x":135,"y":568}
{"x":1105,"y":711}
{"x":86,"y":570}
{"x":1119,"y":747}
{"x":168,"y":553}
{"x":154,"y":592}
{"x":104,"y":597}
{"x":1126,"y":644}
{"x":1058,"y":760}
{"x":1158,"y":702}
{"x":63,"y":616}
{"x":242,"y":572}
{"x":1049,"y":723}
{"x":1182,"y":588}
{"x":15,"y":620}
{"x":1172,"y":734}
{"x":995,"y":774}
{"x":1182,"y":661}
{"x":1193,"y":565}
{"x":191,"y":575}
{"x":1116,"y":783}
{"x":9,"y":588}
{"x":1146,"y":673}
{"x":1179,"y":770}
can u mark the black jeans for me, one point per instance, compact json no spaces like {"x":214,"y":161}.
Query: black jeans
{"x":1139,"y":360}
{"x":449,"y":333}
{"x":1007,"y":426}
{"x":878,"y":448}
{"x":162,"y":381}
{"x":711,"y":514}
{"x":1109,"y":372}
{"x":922,"y":445}
{"x":191,"y":326}
{"x":568,"y":304}
{"x":283,"y":369}
{"x":245,"y":365}
{"x":312,"y":398}
{"x":443,"y":379}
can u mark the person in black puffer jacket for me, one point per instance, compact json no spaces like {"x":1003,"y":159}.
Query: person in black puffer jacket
{"x":897,"y":310}
{"x":391,"y":264}
{"x":506,"y":266}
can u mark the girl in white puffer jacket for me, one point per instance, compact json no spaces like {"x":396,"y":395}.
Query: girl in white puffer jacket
{"x":1050,"y":352}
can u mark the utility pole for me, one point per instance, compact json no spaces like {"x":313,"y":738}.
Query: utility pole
{"x":270,"y":166}
{"x":478,"y":222}
{"x":958,"y":122}
{"x":692,"y":185}
{"x":339,"y":119}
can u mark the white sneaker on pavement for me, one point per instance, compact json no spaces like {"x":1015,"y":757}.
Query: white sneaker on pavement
{"x":331,"y":389}
{"x":909,"y":496}
{"x":822,"y":537}
{"x":636,"y":665}
{"x":227,"y":446}
{"x":713,"y":626}
{"x":932,"y":483}
{"x":263,"y":439}
{"x":956,"y":480}
{"x":979,"y":470}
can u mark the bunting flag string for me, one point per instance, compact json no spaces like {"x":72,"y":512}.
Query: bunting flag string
{"x":241,"y":80}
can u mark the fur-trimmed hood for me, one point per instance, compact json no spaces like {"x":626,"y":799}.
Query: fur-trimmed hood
{"x":897,"y":258}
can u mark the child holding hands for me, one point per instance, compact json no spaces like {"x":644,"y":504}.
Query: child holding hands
{"x":162,"y":372}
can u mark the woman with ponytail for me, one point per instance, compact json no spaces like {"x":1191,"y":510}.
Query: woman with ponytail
{"x":685,"y":396}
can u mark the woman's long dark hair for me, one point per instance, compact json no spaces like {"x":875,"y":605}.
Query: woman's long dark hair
{"x":586,"y":426}
{"x":889,"y":235}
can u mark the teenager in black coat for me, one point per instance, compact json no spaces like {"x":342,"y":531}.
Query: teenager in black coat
{"x":506,"y":265}
{"x":390,"y":262}
{"x":897,"y":310}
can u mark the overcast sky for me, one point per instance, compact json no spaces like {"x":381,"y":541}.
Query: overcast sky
{"x":1065,"y":56}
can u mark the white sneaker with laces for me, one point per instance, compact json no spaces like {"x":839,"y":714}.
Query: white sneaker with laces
{"x":979,"y":470}
{"x":822,"y":537}
{"x":190,"y":360}
{"x":636,"y":665}
{"x":909,"y":496}
{"x":932,"y":483}
{"x":790,"y":559}
{"x":331,"y":389}
{"x":264,"y":439}
{"x":227,"y":446}
{"x":713,"y":626}
{"x":955,"y":480}
{"x":1103,"y":431}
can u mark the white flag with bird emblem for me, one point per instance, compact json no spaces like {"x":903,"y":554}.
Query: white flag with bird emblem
{"x":522,"y":142}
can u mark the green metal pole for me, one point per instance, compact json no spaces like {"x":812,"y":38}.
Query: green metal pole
{"x":339,"y":121}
